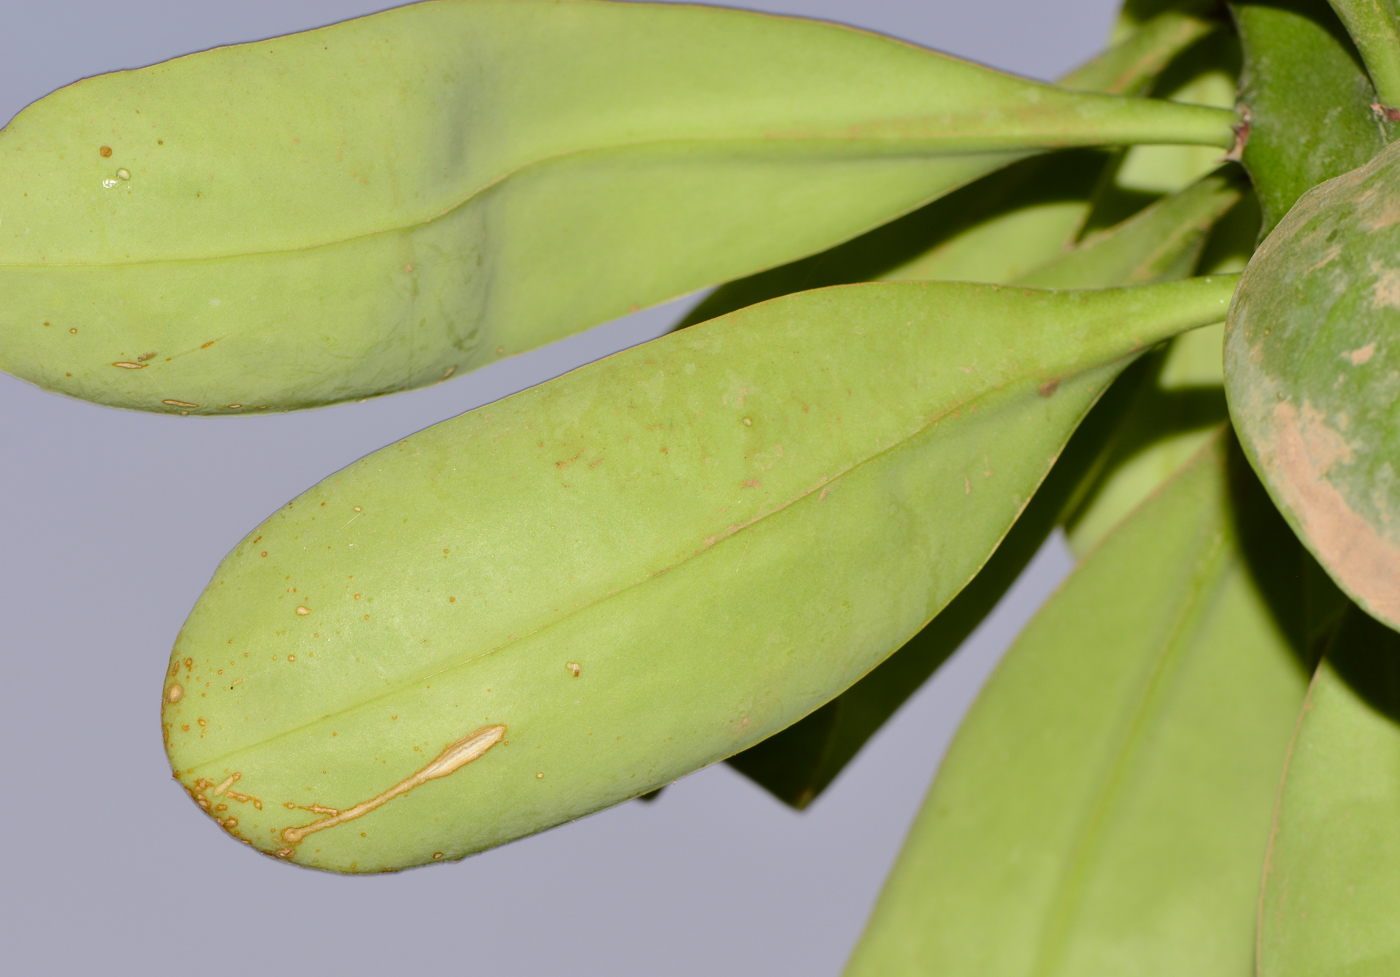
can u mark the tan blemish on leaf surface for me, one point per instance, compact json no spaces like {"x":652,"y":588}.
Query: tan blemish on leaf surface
{"x":1366,"y":565}
{"x":449,"y":761}
{"x":1385,"y":294}
{"x":1388,"y":215}
{"x":1360,"y":356}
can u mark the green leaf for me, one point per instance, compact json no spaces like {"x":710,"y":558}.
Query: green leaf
{"x":1176,"y":398}
{"x":1129,"y":66}
{"x":1332,"y":885}
{"x":1105,"y":806}
{"x":1311,"y":373}
{"x":1204,"y":73}
{"x":381,"y":203}
{"x":636,"y":569}
{"x":1174,"y":407}
{"x":1000,"y":226}
{"x":1162,"y":242}
{"x":1309,"y":100}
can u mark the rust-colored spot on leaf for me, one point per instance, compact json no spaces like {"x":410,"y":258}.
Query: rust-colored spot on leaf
{"x":104,"y":151}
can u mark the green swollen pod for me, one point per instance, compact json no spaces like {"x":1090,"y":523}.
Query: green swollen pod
{"x":595,"y":586}
{"x":394,"y":200}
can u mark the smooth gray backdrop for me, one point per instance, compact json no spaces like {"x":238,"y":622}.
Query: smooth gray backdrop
{"x":111,"y":523}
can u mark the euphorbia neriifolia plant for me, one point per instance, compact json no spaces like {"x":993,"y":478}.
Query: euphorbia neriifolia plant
{"x":957,"y":309}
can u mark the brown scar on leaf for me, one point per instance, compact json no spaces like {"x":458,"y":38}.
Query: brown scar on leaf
{"x":1303,"y":452}
{"x":245,"y":799}
{"x":1048,"y":388}
{"x":233,"y":778}
{"x":449,"y":761}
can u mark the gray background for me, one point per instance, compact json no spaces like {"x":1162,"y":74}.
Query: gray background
{"x":111,"y":522}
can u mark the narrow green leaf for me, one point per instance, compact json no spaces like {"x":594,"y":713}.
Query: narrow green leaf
{"x":1311,"y":373}
{"x":1371,"y":24}
{"x":1128,"y":67}
{"x":1105,"y":806}
{"x":1163,"y":242}
{"x":381,"y":203}
{"x":1332,"y":885}
{"x":637,"y":569}
{"x":1203,"y":73}
{"x":1309,"y":100}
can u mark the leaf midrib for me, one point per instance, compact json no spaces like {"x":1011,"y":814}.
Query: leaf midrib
{"x":1212,"y":564}
{"x":622,"y":147}
{"x":951,"y":411}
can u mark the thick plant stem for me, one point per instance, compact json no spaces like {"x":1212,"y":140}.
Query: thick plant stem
{"x":1371,"y":24}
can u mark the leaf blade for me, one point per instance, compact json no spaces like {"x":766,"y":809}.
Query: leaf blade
{"x":696,"y":629}
{"x":276,"y":243}
{"x":1106,"y":803}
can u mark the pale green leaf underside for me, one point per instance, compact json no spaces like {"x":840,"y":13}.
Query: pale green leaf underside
{"x":383,"y":202}
{"x":1105,"y":806}
{"x":723,"y":528}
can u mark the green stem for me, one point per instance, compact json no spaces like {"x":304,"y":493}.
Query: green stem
{"x":1371,"y":24}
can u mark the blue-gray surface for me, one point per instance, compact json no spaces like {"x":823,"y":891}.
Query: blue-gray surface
{"x":111,"y":522}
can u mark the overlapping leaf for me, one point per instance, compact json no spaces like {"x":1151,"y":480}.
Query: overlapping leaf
{"x":1000,"y":227}
{"x":1105,"y":806}
{"x":384,"y":202}
{"x":1332,"y":887}
{"x":636,"y":569}
{"x":1161,"y":243}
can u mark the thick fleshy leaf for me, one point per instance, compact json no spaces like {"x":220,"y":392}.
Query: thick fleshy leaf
{"x":1311,"y":367}
{"x":1309,"y":100}
{"x":1332,"y":885}
{"x":999,"y":227}
{"x":381,"y":203}
{"x":1163,"y":242}
{"x":634,"y":570}
{"x":1106,"y":804}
